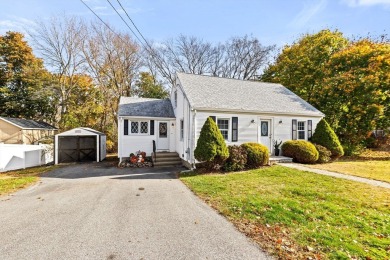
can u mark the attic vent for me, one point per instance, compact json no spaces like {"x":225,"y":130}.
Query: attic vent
{"x":77,"y":131}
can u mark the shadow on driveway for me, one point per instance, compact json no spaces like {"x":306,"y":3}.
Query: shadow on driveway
{"x":109,"y":168}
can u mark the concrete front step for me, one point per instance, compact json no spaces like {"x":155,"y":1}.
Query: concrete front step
{"x":166,"y":159}
{"x":165,"y":154}
{"x":280,"y":159}
{"x":176,"y":163}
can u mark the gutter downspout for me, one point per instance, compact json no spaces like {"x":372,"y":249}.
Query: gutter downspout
{"x":193,"y":139}
{"x":119,"y":140}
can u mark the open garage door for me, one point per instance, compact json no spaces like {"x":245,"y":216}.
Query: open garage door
{"x":77,"y":148}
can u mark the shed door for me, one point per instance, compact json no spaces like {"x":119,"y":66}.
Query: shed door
{"x":76,"y":148}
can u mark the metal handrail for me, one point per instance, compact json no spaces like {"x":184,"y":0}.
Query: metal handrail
{"x":154,"y":151}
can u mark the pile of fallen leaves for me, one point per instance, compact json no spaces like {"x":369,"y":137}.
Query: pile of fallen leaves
{"x":276,"y":240}
{"x":375,"y":154}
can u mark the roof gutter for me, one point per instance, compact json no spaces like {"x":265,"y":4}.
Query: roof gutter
{"x":320,"y":114}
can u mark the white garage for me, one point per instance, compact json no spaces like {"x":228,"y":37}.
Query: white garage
{"x":80,"y":144}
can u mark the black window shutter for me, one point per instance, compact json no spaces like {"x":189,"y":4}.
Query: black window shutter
{"x":309,"y":129}
{"x":234,"y":129}
{"x":151,"y":127}
{"x":294,"y":129}
{"x":214,"y":118}
{"x":126,"y":127}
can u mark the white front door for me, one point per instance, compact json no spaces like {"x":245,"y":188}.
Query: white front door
{"x":266,"y":133}
{"x":163,"y":135}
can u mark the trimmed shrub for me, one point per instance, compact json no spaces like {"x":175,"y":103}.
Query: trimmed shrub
{"x":237,"y":159}
{"x":211,"y":147}
{"x":325,"y":136}
{"x":257,"y":154}
{"x":323,"y":154}
{"x":301,"y":151}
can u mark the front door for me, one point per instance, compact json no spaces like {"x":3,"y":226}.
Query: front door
{"x":265,"y":133}
{"x":162,"y":135}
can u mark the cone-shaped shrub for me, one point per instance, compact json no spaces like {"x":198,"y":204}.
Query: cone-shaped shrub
{"x":211,"y":147}
{"x":325,"y":136}
{"x":301,"y":151}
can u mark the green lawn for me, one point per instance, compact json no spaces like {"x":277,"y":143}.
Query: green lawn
{"x":297,"y":214}
{"x":14,"y":180}
{"x":377,"y":170}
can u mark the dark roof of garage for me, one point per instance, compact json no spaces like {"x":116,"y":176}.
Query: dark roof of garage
{"x":28,"y":124}
{"x":145,"y":107}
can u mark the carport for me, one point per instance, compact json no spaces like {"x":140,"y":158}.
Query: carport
{"x":80,"y":144}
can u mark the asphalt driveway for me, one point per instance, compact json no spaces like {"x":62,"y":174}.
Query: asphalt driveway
{"x":96,"y":211}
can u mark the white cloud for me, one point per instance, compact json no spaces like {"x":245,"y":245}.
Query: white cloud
{"x":357,"y":3}
{"x":310,"y":9}
{"x":15,"y":23}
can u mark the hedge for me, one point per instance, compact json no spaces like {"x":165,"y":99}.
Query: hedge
{"x":257,"y":155}
{"x":301,"y":151}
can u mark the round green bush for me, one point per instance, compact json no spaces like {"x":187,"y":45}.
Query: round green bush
{"x":323,"y":154}
{"x":257,"y":154}
{"x":301,"y":151}
{"x":325,"y":136}
{"x":237,"y":159}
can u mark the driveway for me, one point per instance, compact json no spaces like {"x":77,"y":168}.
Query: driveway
{"x":96,"y":211}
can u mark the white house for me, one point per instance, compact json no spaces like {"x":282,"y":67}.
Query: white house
{"x":245,"y":111}
{"x":142,"y":121}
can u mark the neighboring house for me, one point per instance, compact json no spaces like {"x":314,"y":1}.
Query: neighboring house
{"x":23,"y":131}
{"x":245,"y":111}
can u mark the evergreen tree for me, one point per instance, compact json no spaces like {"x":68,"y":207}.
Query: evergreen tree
{"x":211,"y":147}
{"x":325,"y":136}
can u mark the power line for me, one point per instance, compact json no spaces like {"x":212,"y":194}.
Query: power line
{"x":131,"y":20}
{"x":101,"y":19}
{"x":126,"y":23}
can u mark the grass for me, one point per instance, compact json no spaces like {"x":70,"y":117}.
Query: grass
{"x":377,"y":170}
{"x":300,"y":215}
{"x":15,"y":180}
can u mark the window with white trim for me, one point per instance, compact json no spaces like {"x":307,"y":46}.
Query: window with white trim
{"x":175,"y":97}
{"x":223,"y":125}
{"x":301,"y":130}
{"x":181,"y":130}
{"x":139,"y":127}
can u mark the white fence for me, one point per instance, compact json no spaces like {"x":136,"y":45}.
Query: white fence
{"x":20,"y":156}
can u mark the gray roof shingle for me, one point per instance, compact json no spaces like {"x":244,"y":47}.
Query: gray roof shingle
{"x":207,"y":92}
{"x":145,"y":107}
{"x":29,"y":124}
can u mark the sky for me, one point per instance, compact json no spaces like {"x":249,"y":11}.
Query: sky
{"x":277,"y":22}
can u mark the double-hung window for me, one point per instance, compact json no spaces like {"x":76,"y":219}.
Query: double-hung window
{"x":301,"y":130}
{"x":223,"y":125}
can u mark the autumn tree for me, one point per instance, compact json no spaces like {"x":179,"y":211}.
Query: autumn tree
{"x":113,"y":60}
{"x":60,"y":42}
{"x":24,"y":81}
{"x":347,"y":80}
{"x":84,"y":105}
{"x":301,"y":66}
{"x":356,"y":91}
{"x":239,"y":57}
{"x":148,"y":87}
